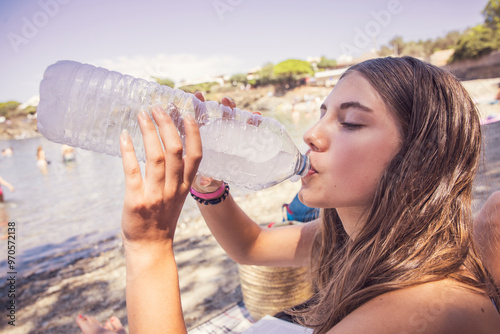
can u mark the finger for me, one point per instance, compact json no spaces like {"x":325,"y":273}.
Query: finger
{"x":131,"y":168}
{"x":176,"y":117}
{"x":228,"y":102}
{"x":173,"y":148}
{"x":108,"y":326}
{"x":200,"y":111}
{"x":200,"y":96}
{"x":194,"y":150}
{"x":204,"y":181}
{"x":257,"y":118}
{"x":117,"y":324}
{"x":155,"y":158}
{"x":227,"y":113}
{"x":205,"y":184}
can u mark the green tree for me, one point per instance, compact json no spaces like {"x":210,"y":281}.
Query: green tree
{"x":266,"y":74}
{"x":413,"y":49}
{"x":476,"y":42}
{"x":206,"y":87}
{"x":289,"y":73}
{"x":239,"y":77}
{"x":428,"y":46}
{"x":165,"y":82}
{"x":397,"y":44}
{"x":293,"y":68}
{"x":449,"y":41}
{"x":326,"y":63}
{"x":385,"y":51}
{"x":491,"y":14}
{"x":481,"y":39}
{"x":8,"y":108}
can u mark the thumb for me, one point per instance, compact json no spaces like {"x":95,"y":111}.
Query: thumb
{"x":205,"y":184}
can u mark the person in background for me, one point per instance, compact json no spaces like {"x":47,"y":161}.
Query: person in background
{"x":68,"y":153}
{"x":8,"y":185}
{"x":487,"y":235}
{"x":41,"y":160}
{"x":497,"y":96}
{"x":297,"y":211}
{"x":7,"y":152}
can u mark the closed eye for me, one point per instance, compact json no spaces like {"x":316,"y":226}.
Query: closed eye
{"x":351,"y":126}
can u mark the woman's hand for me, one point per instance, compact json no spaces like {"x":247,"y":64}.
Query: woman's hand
{"x":152,"y":205}
{"x":204,"y":184}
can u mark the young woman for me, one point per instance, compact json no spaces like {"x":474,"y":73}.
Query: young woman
{"x":393,"y":155}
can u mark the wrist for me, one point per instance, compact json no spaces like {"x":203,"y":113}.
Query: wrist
{"x":211,"y":198}
{"x":146,"y":249}
{"x":142,"y":258}
{"x":209,"y":195}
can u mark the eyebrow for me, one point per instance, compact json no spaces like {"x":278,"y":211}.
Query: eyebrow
{"x":354,"y":104}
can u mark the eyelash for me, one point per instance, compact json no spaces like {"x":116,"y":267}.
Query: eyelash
{"x":351,"y":126}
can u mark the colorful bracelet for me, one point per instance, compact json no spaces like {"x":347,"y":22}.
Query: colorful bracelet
{"x":211,"y":198}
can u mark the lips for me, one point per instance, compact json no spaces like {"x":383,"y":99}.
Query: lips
{"x":311,"y":171}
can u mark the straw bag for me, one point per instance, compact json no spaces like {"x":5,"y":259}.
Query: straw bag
{"x":269,"y":290}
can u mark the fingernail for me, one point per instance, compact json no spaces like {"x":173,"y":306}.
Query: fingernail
{"x":80,"y":316}
{"x":159,"y":109}
{"x":190,"y":119}
{"x":257,"y":113}
{"x":142,"y":115}
{"x":124,"y":136}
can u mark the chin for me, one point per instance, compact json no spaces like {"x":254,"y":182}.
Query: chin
{"x":308,"y":200}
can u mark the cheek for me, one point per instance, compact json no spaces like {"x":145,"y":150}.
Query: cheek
{"x":356,"y":171}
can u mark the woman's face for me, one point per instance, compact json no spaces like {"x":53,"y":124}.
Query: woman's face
{"x":350,"y":146}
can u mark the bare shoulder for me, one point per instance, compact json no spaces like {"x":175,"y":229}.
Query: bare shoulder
{"x":437,"y":307}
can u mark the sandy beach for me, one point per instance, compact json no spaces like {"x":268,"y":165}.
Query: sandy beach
{"x":48,"y":302}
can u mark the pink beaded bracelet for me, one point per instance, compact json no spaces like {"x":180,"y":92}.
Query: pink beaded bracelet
{"x":211,"y":198}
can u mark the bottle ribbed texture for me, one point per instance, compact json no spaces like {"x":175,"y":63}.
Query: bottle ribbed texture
{"x":87,"y":107}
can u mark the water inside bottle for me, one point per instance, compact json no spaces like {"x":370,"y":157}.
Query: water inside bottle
{"x":243,"y":172}
{"x":250,"y":156}
{"x":232,"y":137}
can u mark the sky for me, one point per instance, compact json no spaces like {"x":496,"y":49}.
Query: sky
{"x":196,"y":39}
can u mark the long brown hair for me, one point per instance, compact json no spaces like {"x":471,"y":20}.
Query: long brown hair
{"x":419,"y":226}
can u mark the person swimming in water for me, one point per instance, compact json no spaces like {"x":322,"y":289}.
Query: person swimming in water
{"x":8,"y":185}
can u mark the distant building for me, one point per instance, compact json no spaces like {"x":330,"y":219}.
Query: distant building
{"x":313,"y":59}
{"x":32,"y":102}
{"x":253,"y":74}
{"x":327,"y":78}
{"x":331,"y":77}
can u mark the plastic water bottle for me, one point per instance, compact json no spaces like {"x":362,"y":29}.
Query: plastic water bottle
{"x":86,"y":106}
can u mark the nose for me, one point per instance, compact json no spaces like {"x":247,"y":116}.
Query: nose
{"x":314,"y":139}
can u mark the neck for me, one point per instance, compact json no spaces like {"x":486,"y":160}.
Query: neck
{"x":352,"y":220}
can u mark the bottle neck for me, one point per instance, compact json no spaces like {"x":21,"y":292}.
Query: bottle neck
{"x":303,"y":165}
